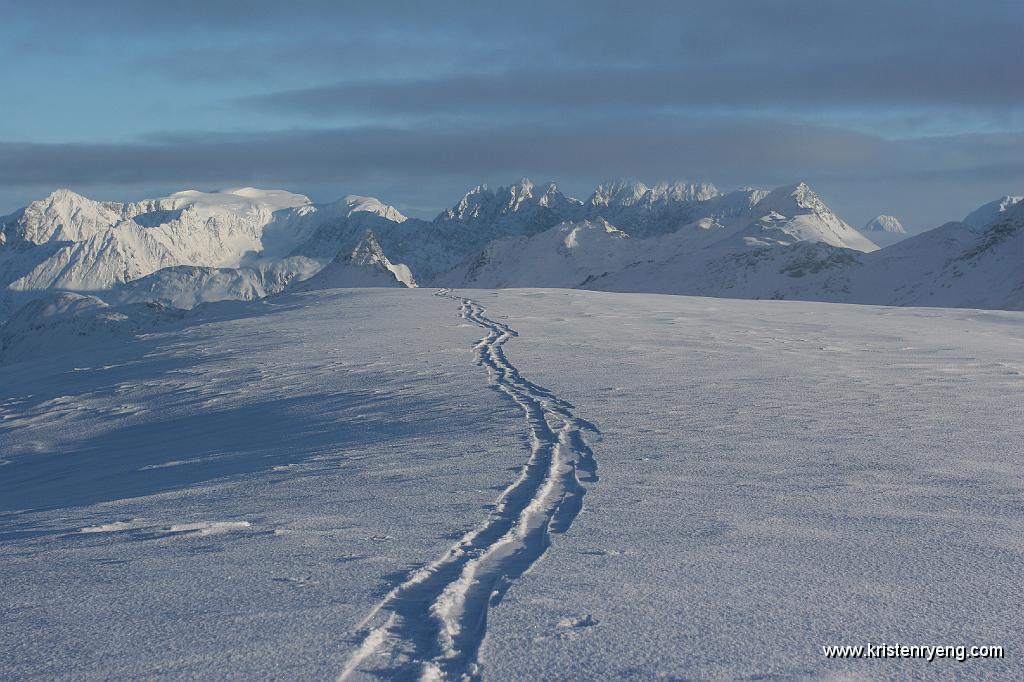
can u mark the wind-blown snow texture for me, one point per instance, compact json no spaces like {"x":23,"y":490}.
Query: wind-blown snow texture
{"x":686,"y":238}
{"x":252,"y":490}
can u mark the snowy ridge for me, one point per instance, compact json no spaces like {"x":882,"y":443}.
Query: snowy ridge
{"x":988,"y":213}
{"x":453,"y":594}
{"x":684,"y":237}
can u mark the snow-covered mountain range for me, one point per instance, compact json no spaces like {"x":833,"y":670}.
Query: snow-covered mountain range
{"x":683,"y":237}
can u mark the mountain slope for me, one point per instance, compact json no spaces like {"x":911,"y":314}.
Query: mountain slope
{"x":566,"y":255}
{"x":69,"y":242}
{"x":809,"y":219}
{"x":748,"y":243}
{"x":186,"y":286}
{"x":985,"y":215}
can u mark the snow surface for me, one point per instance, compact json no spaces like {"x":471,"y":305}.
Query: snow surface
{"x":335,"y":482}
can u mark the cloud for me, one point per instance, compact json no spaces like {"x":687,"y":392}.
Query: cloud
{"x":862,"y":83}
{"x":432,"y":167}
{"x":915,"y":100}
{"x":727,"y":147}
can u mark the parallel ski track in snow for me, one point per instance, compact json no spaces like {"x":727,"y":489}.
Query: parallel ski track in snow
{"x":431,"y":626}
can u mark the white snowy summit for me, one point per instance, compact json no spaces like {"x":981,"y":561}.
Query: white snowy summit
{"x":884,"y":223}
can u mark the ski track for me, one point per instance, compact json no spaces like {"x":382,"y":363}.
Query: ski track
{"x":431,"y":626}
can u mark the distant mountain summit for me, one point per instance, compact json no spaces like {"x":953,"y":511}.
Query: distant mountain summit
{"x":884,"y":223}
{"x":884,"y":230}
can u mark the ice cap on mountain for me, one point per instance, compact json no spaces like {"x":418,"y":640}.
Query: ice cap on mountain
{"x":361,"y":204}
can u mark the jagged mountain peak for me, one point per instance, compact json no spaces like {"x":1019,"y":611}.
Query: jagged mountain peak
{"x":792,"y":199}
{"x":621,"y":192}
{"x":483,"y":205}
{"x":626,"y":193}
{"x":801,"y":193}
{"x":684,"y":190}
{"x":552,"y":197}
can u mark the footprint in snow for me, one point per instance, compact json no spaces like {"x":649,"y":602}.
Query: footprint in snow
{"x":584,"y":621}
{"x":298,"y":581}
{"x":601,"y":552}
{"x":573,"y":628}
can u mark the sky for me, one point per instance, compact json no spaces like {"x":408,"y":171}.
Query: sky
{"x":909,"y":108}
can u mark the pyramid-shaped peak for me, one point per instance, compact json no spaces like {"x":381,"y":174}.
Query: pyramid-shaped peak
{"x":481,"y":204}
{"x":63,"y":194}
{"x":64,"y":200}
{"x":787,"y":198}
{"x":885,"y":223}
{"x":524,"y":186}
{"x":367,"y":251}
{"x":64,"y":215}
